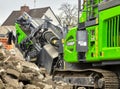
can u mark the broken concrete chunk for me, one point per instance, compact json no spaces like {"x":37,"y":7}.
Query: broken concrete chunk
{"x":29,"y":65}
{"x":48,"y":87}
{"x":21,"y":85}
{"x":10,"y":81}
{"x":28,"y":86}
{"x":2,"y":71}
{"x":9,"y":87}
{"x":13,"y":72}
{"x":19,"y":67}
{"x":1,"y":84}
{"x":26,"y":76}
{"x":12,"y":52}
{"x":39,"y":84}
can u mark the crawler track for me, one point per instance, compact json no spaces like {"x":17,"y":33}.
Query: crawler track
{"x":93,"y":78}
{"x":110,"y":79}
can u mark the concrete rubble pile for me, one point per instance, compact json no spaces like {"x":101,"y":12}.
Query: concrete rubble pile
{"x":19,"y":74}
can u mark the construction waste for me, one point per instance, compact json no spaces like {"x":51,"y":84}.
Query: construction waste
{"x":16,"y":73}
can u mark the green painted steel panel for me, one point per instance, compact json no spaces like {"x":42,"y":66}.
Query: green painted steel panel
{"x":19,"y":33}
{"x":70,"y":52}
{"x":109,"y":34}
{"x":107,"y":45}
{"x":92,"y":54}
{"x":103,"y":39}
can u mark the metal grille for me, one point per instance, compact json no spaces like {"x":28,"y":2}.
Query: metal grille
{"x":113,"y":32}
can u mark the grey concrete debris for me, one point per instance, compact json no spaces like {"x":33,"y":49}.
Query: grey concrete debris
{"x":30,"y":86}
{"x":13,"y":72}
{"x":16,"y":73}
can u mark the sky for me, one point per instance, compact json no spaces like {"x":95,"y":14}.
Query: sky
{"x":7,"y":6}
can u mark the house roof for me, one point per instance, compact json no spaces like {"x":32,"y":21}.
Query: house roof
{"x":35,"y":13}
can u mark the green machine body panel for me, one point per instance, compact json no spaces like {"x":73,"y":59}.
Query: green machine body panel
{"x":92,"y":53}
{"x":70,"y":53}
{"x":19,"y":33}
{"x":21,"y":36}
{"x":109,"y":34}
{"x":103,"y":35}
{"x":104,"y":39}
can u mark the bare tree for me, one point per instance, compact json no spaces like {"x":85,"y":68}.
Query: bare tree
{"x":68,"y":14}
